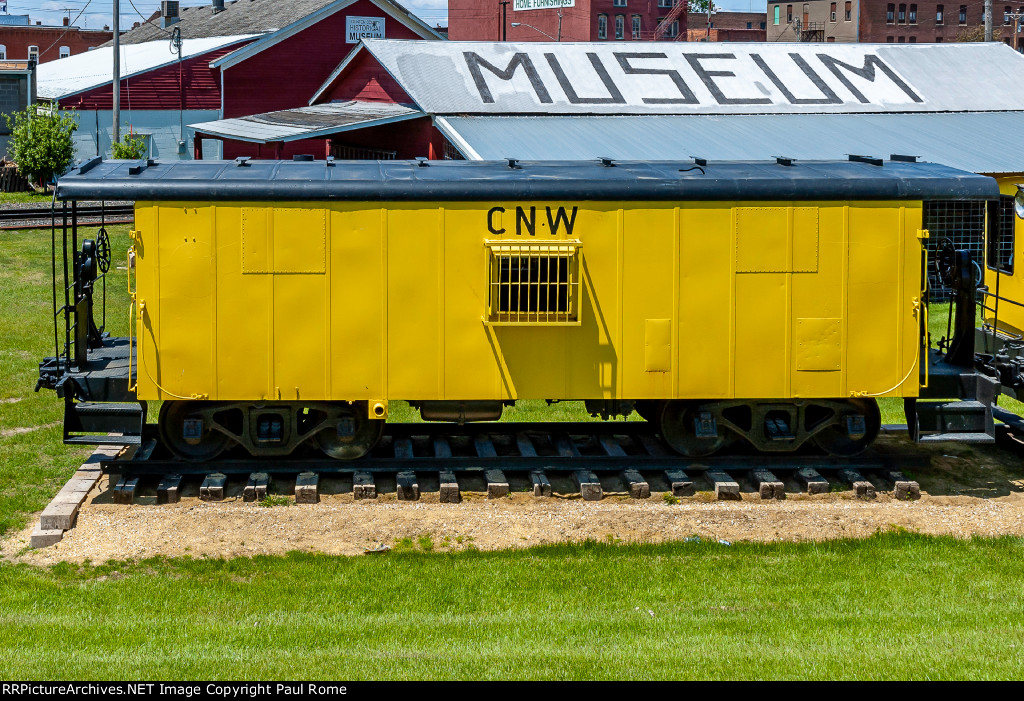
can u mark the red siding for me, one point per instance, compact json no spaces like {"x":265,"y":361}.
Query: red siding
{"x":158,"y":89}
{"x":297,"y":66}
{"x":366,"y":80}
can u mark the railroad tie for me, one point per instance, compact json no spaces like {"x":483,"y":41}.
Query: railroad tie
{"x":256,"y":489}
{"x":124,"y":490}
{"x":565,"y":446}
{"x":638,"y":487}
{"x":497,"y":484}
{"x":450,"y":493}
{"x":541,"y":483}
{"x":861,"y":487}
{"x":442,"y":448}
{"x":652,"y":446}
{"x":725,"y":486}
{"x":408,"y":487}
{"x":680,"y":483}
{"x":306,"y":488}
{"x":768,"y":485}
{"x":525,"y":446}
{"x":168,"y":491}
{"x":363,"y":486}
{"x":484,"y":447}
{"x":812,"y":480}
{"x":611,"y":447}
{"x":213,"y":487}
{"x":589,"y":485}
{"x":403,"y":448}
{"x":904,"y":488}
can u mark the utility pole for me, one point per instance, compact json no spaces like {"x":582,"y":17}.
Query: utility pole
{"x":988,"y":20}
{"x":559,"y":24}
{"x":117,"y":72}
{"x":504,"y":18}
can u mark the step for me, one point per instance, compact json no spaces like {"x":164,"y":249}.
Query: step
{"x":103,"y":440}
{"x":956,"y":437}
{"x":104,"y":417}
{"x":108,"y":408}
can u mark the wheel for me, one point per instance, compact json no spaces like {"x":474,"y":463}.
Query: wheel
{"x":648,"y":409}
{"x":836,"y":439}
{"x":186,"y":428}
{"x":679,"y":429}
{"x":353,"y":435}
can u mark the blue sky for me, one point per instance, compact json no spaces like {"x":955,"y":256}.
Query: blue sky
{"x":96,"y":13}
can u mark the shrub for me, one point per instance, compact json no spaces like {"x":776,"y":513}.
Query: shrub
{"x":41,"y":141}
{"x":130,"y":148}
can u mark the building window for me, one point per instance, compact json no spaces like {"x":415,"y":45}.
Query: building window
{"x":789,"y":14}
{"x":901,"y":40}
{"x":938,"y":14}
{"x":665,"y":3}
{"x":832,"y":12}
{"x":33,"y":53}
{"x":750,"y":25}
{"x":890,"y":13}
{"x":636,"y":26}
{"x":889,"y":40}
{"x":3,"y":52}
{"x":776,"y":14}
{"x":912,"y":18}
{"x":1006,"y":14}
{"x":963,"y":14}
{"x":831,"y":40}
{"x":618,"y":3}
{"x":849,"y":12}
{"x":902,"y":17}
{"x":602,"y":26}
{"x":65,"y":51}
{"x":763,"y":25}
{"x":913,"y":40}
{"x":620,"y":26}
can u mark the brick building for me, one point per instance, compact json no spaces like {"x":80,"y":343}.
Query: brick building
{"x":726,"y":26}
{"x":20,"y":40}
{"x":584,"y":20}
{"x":880,"y":21}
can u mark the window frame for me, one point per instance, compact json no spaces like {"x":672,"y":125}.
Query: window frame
{"x":940,"y":15}
{"x":962,"y":18}
{"x":636,"y":26}
{"x":778,"y":14}
{"x":35,"y":51}
{"x":993,"y":259}
{"x":912,"y":14}
{"x":620,"y":27}
{"x":833,"y":10}
{"x":848,"y":10}
{"x":3,"y":52}
{"x":510,"y":250}
{"x":602,"y":26}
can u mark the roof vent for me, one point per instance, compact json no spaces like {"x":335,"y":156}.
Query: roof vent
{"x":302,"y":157}
{"x":870,"y":160}
{"x":699,"y":161}
{"x":785,"y":160}
{"x":168,"y":12}
{"x":606,"y":162}
{"x":513,"y":163}
{"x":903,"y":158}
{"x":218,"y":6}
{"x":242,"y":161}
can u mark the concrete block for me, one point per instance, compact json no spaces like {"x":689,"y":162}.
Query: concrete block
{"x":363,"y":486}
{"x":169,"y":489}
{"x":907,"y":490}
{"x":541,"y":483}
{"x":638,"y":486}
{"x":812,"y":480}
{"x":589,"y":486}
{"x":768,"y":485}
{"x":726,"y":488}
{"x":44,"y":538}
{"x":450,"y":493}
{"x":680,"y":483}
{"x":212,"y":488}
{"x":306,"y":488}
{"x":256,"y":489}
{"x":408,"y":487}
{"x":59,"y":515}
{"x":497,"y":484}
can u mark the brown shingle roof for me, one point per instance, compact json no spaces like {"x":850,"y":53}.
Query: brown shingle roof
{"x":238,"y":17}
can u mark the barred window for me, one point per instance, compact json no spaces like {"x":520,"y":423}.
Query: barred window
{"x":1000,"y":241}
{"x":534,"y":283}
{"x":962,"y":222}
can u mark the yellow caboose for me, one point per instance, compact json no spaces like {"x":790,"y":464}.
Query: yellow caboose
{"x":280,"y":303}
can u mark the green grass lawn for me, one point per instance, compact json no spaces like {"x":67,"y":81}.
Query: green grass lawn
{"x":894,"y":606}
{"x":40,"y":198}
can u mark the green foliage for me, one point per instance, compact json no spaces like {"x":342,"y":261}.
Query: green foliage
{"x":41,"y":141}
{"x":670,"y":498}
{"x":131,"y":148}
{"x":275,"y":500}
{"x":701,"y":6}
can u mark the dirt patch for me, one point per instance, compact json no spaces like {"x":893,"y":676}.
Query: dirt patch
{"x":8,"y":432}
{"x":966,"y":491}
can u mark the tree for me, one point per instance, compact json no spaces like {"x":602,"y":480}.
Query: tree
{"x":130,"y":148}
{"x":701,"y":6}
{"x":41,"y":142}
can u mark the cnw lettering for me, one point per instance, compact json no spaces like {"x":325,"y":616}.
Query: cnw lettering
{"x":526,"y":220}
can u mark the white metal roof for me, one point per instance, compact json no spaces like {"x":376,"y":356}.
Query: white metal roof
{"x":987,"y":142}
{"x":700,"y":78}
{"x":67,"y":76}
{"x":307,"y":122}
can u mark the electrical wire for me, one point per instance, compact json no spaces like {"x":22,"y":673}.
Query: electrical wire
{"x":66,"y":30}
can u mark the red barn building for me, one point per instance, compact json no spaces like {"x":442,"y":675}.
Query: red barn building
{"x":575,"y":20}
{"x":238,"y":58}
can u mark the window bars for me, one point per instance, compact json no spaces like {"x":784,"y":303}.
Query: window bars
{"x":533,"y":284}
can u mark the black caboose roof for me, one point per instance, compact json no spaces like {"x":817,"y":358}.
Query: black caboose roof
{"x":431,"y":181}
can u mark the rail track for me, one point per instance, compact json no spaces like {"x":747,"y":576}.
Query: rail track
{"x":588,"y":459}
{"x":41,"y":217}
